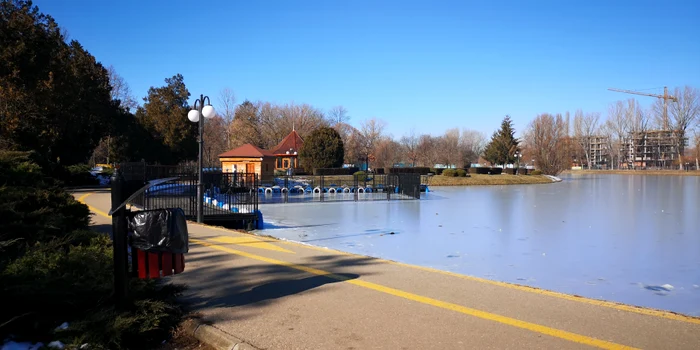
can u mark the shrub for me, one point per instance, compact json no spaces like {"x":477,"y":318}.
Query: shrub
{"x":55,"y":283}
{"x":449,"y":173}
{"x":414,"y":170}
{"x":536,"y":172}
{"x":280,"y":172}
{"x":335,"y":171}
{"x":461,"y":173}
{"x":479,"y":170}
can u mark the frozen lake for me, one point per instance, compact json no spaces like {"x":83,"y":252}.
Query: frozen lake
{"x":626,"y":238}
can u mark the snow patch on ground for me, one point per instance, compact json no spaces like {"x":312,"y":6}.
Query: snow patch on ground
{"x":553,"y":178}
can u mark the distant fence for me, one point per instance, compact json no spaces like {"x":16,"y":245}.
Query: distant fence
{"x":331,"y":188}
{"x":238,"y":195}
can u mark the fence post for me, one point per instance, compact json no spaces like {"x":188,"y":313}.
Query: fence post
{"x":387,"y":181}
{"x":356,"y":184}
{"x":321,"y":187}
{"x":119,"y":238}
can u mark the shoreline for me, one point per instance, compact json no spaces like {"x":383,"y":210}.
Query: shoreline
{"x":633,"y":172}
{"x":489,"y":180}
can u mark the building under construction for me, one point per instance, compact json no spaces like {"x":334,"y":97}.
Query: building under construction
{"x":652,"y":149}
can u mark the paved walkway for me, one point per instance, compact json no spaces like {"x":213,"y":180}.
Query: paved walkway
{"x":283,"y":295}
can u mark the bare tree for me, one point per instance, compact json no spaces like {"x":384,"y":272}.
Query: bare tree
{"x":448,"y":145}
{"x":409,"y":143}
{"x":227,"y":110}
{"x":338,"y":115}
{"x":121,"y":90}
{"x":546,"y":138}
{"x":585,"y":127}
{"x":684,"y":114}
{"x":370,"y":133}
{"x":387,"y":152}
{"x":617,"y":127}
{"x":215,"y":142}
{"x":471,"y":145}
{"x":427,"y":150}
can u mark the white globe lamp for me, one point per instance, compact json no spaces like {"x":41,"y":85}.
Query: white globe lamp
{"x":193,"y":115}
{"x":208,"y":111}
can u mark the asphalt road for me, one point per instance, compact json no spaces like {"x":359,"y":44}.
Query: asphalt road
{"x":284,"y":295}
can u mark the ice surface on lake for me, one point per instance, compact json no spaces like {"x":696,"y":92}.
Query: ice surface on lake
{"x":600,"y":236}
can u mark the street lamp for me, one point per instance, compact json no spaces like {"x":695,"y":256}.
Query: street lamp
{"x":195,"y":116}
{"x":518,"y":155}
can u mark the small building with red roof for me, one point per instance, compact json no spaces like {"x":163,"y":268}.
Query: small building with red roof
{"x":248,"y":159}
{"x":252,"y":159}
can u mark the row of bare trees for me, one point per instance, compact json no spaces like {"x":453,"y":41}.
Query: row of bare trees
{"x":553,"y":145}
{"x":264,"y":124}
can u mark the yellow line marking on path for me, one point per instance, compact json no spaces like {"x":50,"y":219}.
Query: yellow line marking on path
{"x":92,"y":209}
{"x":602,"y":303}
{"x":557,"y":333}
{"x":622,"y":307}
{"x":251,"y":241}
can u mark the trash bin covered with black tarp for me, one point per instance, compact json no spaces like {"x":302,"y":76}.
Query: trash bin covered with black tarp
{"x":160,"y":230}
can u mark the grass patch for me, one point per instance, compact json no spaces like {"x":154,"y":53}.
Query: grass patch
{"x":480,"y":179}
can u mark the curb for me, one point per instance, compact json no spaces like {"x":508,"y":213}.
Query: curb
{"x":215,"y":337}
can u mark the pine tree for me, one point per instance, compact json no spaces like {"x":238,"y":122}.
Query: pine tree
{"x":503,"y":145}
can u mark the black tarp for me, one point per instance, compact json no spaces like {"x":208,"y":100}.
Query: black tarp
{"x":160,"y":230}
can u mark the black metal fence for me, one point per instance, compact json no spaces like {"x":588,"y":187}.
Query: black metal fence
{"x":329,"y":188}
{"x":227,"y":197}
{"x":236,"y":196}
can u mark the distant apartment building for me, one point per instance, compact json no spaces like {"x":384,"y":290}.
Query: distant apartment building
{"x":599,"y":153}
{"x":652,"y":149}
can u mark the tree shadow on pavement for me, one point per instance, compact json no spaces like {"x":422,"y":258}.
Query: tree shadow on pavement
{"x":283,"y":288}
{"x":219,"y":280}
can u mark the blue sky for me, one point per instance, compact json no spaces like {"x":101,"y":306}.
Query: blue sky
{"x":428,"y":65}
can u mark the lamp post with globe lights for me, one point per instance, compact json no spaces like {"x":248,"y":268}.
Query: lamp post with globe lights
{"x":197,"y":115}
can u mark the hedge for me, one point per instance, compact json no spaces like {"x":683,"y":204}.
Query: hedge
{"x":511,"y":171}
{"x":449,"y":173}
{"x":479,"y":170}
{"x":495,"y":171}
{"x":437,"y":171}
{"x":415,"y":170}
{"x":335,"y":171}
{"x":523,"y":171}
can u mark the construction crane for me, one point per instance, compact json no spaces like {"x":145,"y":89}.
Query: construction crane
{"x":666,"y":97}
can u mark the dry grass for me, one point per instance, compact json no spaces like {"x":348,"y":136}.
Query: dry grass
{"x":479,"y":179}
{"x":634,"y":172}
{"x":182,"y":340}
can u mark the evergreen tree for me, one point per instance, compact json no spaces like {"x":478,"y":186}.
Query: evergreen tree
{"x":54,"y":96}
{"x":323,"y":148}
{"x":164,"y":115}
{"x":503,"y":145}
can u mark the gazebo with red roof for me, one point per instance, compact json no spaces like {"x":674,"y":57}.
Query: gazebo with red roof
{"x":286,"y":152}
